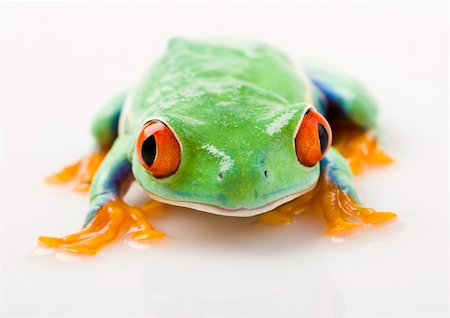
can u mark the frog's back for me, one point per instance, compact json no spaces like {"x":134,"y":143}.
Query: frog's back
{"x":189,"y":68}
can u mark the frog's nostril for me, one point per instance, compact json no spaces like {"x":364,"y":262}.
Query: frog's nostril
{"x":221,"y":176}
{"x":265,"y":173}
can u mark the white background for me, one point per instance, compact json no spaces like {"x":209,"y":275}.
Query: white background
{"x":61,"y":62}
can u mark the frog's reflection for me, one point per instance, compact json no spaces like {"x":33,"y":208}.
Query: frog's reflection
{"x":240,"y":266}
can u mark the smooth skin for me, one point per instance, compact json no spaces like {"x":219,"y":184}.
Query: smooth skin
{"x":234,"y":109}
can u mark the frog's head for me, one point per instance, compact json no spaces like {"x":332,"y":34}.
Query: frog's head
{"x":230,"y":160}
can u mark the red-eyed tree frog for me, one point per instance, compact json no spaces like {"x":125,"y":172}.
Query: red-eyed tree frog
{"x":231,"y":128}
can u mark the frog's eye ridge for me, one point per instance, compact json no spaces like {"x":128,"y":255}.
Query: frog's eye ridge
{"x":158,"y":149}
{"x":313,"y":138}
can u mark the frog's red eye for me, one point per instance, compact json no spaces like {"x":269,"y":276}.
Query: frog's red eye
{"x":158,"y":150}
{"x":313,"y":139}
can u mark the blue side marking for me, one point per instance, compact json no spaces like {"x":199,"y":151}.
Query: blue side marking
{"x":331,"y":97}
{"x":336,"y":170}
{"x":110,"y":187}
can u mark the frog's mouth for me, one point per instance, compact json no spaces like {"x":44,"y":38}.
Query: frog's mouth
{"x":239,"y":212}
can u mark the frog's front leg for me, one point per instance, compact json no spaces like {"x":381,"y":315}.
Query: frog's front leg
{"x":335,"y":196}
{"x":339,"y":201}
{"x":109,"y":216}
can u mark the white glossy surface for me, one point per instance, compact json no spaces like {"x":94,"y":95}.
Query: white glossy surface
{"x":60,"y":62}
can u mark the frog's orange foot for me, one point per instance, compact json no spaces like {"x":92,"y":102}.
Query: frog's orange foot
{"x":112,"y":220}
{"x":360,"y":148}
{"x":82,"y":172}
{"x":343,"y":215}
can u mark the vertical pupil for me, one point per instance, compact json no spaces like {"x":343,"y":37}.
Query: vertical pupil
{"x":149,"y":150}
{"x":323,"y":137}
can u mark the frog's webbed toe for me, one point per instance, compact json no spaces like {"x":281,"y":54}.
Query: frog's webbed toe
{"x":343,"y":214}
{"x":111,"y":221}
{"x":360,"y":148}
{"x":81,"y":172}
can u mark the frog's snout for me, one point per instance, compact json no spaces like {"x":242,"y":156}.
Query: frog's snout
{"x":242,"y":184}
{"x":241,"y":190}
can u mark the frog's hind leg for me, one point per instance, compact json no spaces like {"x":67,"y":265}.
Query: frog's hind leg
{"x":360,"y":147}
{"x":105,"y":131}
{"x":82,"y":172}
{"x":109,"y":217}
{"x":352,"y":112}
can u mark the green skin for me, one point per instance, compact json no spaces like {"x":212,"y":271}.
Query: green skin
{"x":235,"y":108}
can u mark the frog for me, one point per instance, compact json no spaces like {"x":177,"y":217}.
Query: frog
{"x":231,"y":128}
